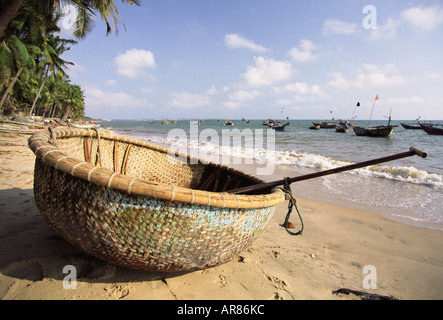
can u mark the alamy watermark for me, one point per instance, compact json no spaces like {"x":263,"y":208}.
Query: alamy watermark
{"x":69,"y":16}
{"x":234,"y":146}
{"x":70,"y":280}
{"x":370,"y":20}
{"x":370,"y":280}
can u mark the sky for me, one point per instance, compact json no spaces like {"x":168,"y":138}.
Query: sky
{"x":259,"y":59}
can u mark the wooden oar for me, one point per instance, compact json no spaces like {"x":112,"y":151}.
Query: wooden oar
{"x":264,"y":186}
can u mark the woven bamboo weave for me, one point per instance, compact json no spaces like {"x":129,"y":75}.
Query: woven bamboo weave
{"x":142,"y":206}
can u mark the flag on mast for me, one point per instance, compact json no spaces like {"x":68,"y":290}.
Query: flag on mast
{"x":377,"y":97}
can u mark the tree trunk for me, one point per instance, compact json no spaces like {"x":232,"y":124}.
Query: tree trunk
{"x":11,"y":84}
{"x":8,"y":13}
{"x":38,"y":93}
{"x":66,"y":113}
{"x":52,"y":113}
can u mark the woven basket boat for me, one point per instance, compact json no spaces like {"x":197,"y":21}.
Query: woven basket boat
{"x":141,"y":206}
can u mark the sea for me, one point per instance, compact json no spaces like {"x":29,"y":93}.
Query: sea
{"x":409,"y":190}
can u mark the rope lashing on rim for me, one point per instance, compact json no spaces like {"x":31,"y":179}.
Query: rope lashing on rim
{"x":292,"y":203}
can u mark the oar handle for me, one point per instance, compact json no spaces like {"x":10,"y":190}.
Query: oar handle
{"x":265,"y":186}
{"x":418,"y":152}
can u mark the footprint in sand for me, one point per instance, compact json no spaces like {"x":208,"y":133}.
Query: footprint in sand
{"x":276,"y":296}
{"x":278,"y":283}
{"x":119,"y":291}
{"x":223,"y":281}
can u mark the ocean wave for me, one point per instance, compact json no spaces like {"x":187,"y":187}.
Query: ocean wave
{"x":212,"y":151}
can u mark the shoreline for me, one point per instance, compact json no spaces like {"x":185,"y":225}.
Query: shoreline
{"x":408,"y":202}
{"x":336,"y":245}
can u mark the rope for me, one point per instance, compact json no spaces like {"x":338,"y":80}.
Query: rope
{"x":52,"y":139}
{"x":292,"y":203}
{"x":99,"y":154}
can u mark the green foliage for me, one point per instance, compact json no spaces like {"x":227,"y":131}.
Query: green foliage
{"x":32,"y":72}
{"x":30,"y":52}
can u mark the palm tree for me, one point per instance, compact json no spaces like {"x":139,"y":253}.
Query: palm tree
{"x":71,"y":97}
{"x":86,"y":12}
{"x":20,"y":42}
{"x":21,"y":56}
{"x":51,"y":63}
{"x":8,"y":9}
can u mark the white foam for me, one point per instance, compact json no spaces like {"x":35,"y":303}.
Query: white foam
{"x":406,"y":174}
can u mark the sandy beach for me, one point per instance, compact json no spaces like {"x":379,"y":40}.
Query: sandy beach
{"x":338,"y":244}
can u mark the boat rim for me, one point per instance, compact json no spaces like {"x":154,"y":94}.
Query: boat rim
{"x":44,"y":146}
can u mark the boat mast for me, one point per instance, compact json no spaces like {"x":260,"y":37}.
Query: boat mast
{"x":370,"y":118}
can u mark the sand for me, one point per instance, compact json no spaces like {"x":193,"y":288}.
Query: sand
{"x":337,"y":246}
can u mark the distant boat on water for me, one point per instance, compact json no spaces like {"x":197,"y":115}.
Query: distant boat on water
{"x":413,"y":126}
{"x":341,"y":127}
{"x":374,"y":131}
{"x":431,"y":129}
{"x":279,"y":126}
{"x":326,"y":124}
{"x":377,"y":131}
{"x":409,"y":126}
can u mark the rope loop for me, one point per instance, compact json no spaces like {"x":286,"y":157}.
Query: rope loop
{"x":52,"y":138}
{"x":292,"y":203}
{"x":99,"y":154}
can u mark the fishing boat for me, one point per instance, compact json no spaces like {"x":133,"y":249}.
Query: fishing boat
{"x":325,"y":124}
{"x":89,"y":125}
{"x":410,"y":126}
{"x":431,"y":129}
{"x":341,"y":127}
{"x":142,"y":206}
{"x":315,"y":127}
{"x":279,"y":126}
{"x":374,"y":131}
{"x":229,"y":123}
{"x":17,"y":128}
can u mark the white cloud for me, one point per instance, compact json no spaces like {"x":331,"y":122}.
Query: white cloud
{"x":267,"y":71}
{"x":239,"y":97}
{"x":147,"y":90}
{"x":299,"y":88}
{"x":426,"y":19}
{"x":340,"y":81}
{"x":101,"y":98}
{"x":244,"y":95}
{"x":189,"y":100}
{"x":406,"y":101}
{"x":111,"y":82}
{"x":284,"y":102}
{"x":133,"y":63}
{"x":304,"y":52}
{"x":434,"y":76}
{"x":386,"y":31}
{"x":232,"y":104}
{"x":235,"y":41}
{"x":75,"y":70}
{"x":211,"y":91}
{"x":334,"y":26}
{"x":369,"y":75}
